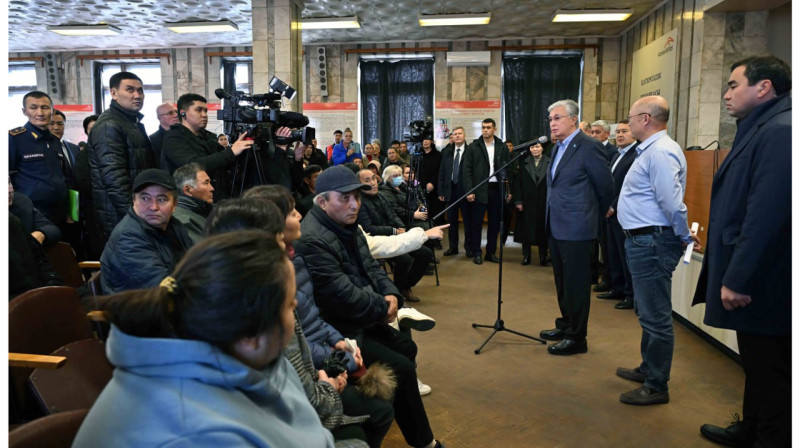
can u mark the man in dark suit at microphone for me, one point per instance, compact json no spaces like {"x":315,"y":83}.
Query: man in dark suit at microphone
{"x":579,"y":186}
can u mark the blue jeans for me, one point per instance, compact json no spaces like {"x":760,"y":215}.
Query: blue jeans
{"x":652,"y":258}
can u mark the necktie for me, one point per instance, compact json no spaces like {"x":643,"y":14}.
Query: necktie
{"x":456,"y":165}
{"x":65,"y":151}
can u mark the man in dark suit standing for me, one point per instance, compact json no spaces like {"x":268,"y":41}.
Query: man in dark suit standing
{"x":70,"y":230}
{"x":451,"y":187}
{"x":579,"y":186}
{"x":483,"y":156}
{"x":746,"y":280}
{"x":619,"y":276}
{"x":600,"y":131}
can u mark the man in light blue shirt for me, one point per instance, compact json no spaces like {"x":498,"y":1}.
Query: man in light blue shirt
{"x":653,"y":218}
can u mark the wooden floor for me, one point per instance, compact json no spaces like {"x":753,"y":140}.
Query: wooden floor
{"x":514,"y":394}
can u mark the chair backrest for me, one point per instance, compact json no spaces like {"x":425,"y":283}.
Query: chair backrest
{"x":41,"y":321}
{"x":78,"y":383}
{"x":53,"y":431}
{"x":65,"y":263}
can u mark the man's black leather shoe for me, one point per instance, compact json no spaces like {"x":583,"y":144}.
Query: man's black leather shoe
{"x":624,"y":305}
{"x":492,"y":258}
{"x":736,"y":435}
{"x":568,"y":347}
{"x":468,"y":253}
{"x":526,"y":261}
{"x":611,"y":295}
{"x":477,"y":259}
{"x":450,"y":252}
{"x":602,"y":287}
{"x":552,"y":335}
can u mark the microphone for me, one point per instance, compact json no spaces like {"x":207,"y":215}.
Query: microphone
{"x":698,"y":148}
{"x":527,"y":145}
{"x":222,"y":94}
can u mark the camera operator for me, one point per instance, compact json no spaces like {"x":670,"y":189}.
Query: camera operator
{"x":189,"y":141}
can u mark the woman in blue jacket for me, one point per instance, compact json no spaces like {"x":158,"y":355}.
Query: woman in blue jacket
{"x":198,"y":359}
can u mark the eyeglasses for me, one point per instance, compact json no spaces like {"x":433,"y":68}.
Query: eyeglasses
{"x":172,"y":112}
{"x":556,"y":118}
{"x":636,"y":115}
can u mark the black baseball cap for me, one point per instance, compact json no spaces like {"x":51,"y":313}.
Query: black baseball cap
{"x":339,"y":179}
{"x":154,"y":176}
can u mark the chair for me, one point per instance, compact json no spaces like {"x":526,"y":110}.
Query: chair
{"x":78,"y":383}
{"x":53,"y":431}
{"x":41,"y":321}
{"x":67,"y":266}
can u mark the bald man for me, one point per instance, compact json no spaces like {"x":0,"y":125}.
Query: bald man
{"x":653,"y":218}
{"x":167,"y":115}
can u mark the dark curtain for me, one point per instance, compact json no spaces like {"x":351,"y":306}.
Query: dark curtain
{"x":229,"y":75}
{"x":530,"y":85}
{"x":394,"y":93}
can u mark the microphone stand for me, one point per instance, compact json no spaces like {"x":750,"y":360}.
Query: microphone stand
{"x":521,"y":151}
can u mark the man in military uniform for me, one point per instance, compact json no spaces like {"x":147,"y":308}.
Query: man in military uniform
{"x":35,"y":154}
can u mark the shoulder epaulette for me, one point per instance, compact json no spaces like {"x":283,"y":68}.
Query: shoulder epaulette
{"x":17,"y":131}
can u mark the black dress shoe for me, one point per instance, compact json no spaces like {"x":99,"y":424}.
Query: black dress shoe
{"x":624,"y":305}
{"x":611,"y":295}
{"x":568,"y":347}
{"x":468,"y":253}
{"x":739,"y":434}
{"x":602,"y":287}
{"x":492,"y":258}
{"x":450,"y":252}
{"x":526,"y":261}
{"x":555,"y":334}
{"x":477,"y":259}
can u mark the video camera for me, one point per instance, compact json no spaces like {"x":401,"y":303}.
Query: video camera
{"x":419,"y":130}
{"x":260,"y":116}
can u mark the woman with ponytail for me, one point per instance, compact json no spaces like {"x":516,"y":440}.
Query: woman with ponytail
{"x":198,"y":359}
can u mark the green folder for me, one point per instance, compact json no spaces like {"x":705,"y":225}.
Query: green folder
{"x":74,"y":201}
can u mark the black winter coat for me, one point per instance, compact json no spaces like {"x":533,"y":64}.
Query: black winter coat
{"x":530,"y":190}
{"x":181,"y":147}
{"x":349,"y":285}
{"x":376,"y":216}
{"x":139,"y":255}
{"x":476,"y":166}
{"x":119,"y":149}
{"x":32,"y":219}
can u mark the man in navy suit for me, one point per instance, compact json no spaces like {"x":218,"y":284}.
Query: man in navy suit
{"x":70,"y":230}
{"x":601,"y":131}
{"x":579,"y":186}
{"x":451,"y":187}
{"x":746,"y":280}
{"x":619,"y":276}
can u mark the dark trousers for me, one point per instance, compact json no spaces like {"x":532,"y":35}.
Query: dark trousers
{"x":508,"y":210}
{"x":410,"y":268}
{"x":767,"y":403}
{"x":616,"y":266}
{"x":476,"y":221}
{"x":600,"y":250}
{"x":571,"y":269}
{"x":381,"y":414}
{"x":526,"y":251}
{"x":452,"y":217}
{"x":387,"y":345}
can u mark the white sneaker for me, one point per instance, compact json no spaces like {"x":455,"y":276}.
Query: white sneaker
{"x":395,"y":324}
{"x":424,"y":389}
{"x":411,"y":318}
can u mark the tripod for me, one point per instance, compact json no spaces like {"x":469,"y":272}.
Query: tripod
{"x":521,"y":151}
{"x":414,"y":197}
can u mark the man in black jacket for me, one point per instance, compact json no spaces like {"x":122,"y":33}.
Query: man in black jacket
{"x":451,"y":187}
{"x":195,"y":199}
{"x":32,"y":220}
{"x":355,"y":295}
{"x":167,"y":116}
{"x":119,"y":150}
{"x":147,"y":243}
{"x":483,"y":156}
{"x":189,"y":141}
{"x":746,"y":279}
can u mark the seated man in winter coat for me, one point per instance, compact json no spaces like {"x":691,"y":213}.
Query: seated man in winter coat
{"x":147,"y":244}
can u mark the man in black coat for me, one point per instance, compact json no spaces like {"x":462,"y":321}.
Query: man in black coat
{"x":119,"y":150}
{"x":355,"y":295}
{"x":167,"y":116}
{"x":600,"y":131}
{"x":32,"y":220}
{"x":746,"y":279}
{"x":451,"y":187}
{"x":619,"y":275}
{"x":483,"y":157}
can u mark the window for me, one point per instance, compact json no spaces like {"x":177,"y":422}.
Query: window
{"x":21,"y":80}
{"x":150,"y":73}
{"x":237,"y":76}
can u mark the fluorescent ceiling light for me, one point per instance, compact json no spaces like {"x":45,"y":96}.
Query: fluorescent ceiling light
{"x":85,"y":30}
{"x":220,"y":26}
{"x":330,"y":23}
{"x":454,"y":19}
{"x":592,"y":15}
